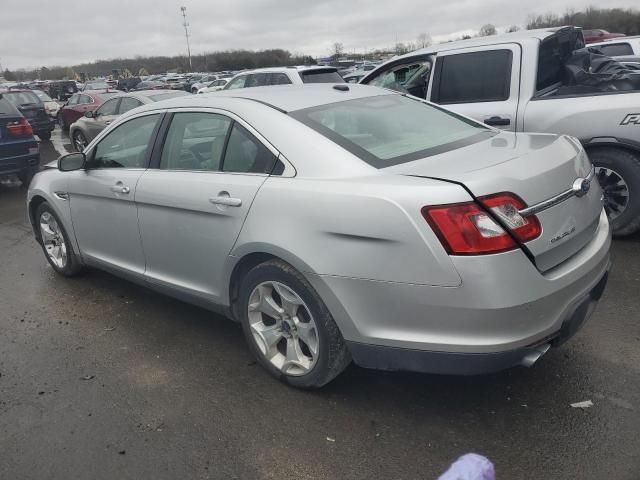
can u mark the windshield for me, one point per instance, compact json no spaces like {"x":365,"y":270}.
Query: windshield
{"x":391,"y":129}
{"x":321,"y":76}
{"x":20,"y":99}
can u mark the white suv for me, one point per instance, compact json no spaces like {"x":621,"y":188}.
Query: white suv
{"x":284,"y":76}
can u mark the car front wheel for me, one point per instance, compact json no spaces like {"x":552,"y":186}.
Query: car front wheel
{"x":288,"y":327}
{"x":55,"y":242}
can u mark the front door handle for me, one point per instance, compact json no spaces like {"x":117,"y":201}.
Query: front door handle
{"x":225,"y":200}
{"x":498,"y":121}
{"x":120,"y":188}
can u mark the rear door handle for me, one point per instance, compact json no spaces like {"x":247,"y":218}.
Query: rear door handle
{"x":225,"y":201}
{"x":498,"y":121}
{"x":120,"y":188}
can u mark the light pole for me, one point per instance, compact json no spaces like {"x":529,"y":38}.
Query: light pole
{"x":186,"y":34}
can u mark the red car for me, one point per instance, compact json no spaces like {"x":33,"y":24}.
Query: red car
{"x":79,"y":103}
{"x":598,"y":35}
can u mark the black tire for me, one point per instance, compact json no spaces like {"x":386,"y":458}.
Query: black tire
{"x":25,"y":176}
{"x":333,"y":356}
{"x":73,"y":265}
{"x":44,"y":135}
{"x":78,"y":136}
{"x":63,"y":126}
{"x":627,"y":166}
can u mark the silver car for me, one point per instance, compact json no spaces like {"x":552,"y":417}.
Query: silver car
{"x":85,"y":129}
{"x":339,"y":223}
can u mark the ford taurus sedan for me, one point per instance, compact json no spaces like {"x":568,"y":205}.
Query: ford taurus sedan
{"x":339,"y":223}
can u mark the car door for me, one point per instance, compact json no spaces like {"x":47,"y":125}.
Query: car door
{"x":483,"y":83}
{"x":67,"y":109}
{"x":103,"y":116}
{"x":192,"y":206}
{"x":101,"y":197}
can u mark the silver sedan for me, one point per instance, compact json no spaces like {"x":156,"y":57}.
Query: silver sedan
{"x":339,"y":223}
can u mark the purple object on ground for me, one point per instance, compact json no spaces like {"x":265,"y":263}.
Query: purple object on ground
{"x":470,"y":467}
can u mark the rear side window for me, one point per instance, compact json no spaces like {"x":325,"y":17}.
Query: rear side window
{"x":473,"y":77}
{"x":321,"y":76}
{"x":195,"y":141}
{"x":245,"y":154}
{"x":615,"y":49}
{"x":73,"y":100}
{"x":279,"y":78}
{"x":128,"y":103}
{"x":85,"y":99}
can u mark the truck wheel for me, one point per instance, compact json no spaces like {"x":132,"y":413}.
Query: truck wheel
{"x":618,"y":172}
{"x":288,"y":326}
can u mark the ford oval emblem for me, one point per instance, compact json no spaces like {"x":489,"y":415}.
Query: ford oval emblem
{"x":581,"y":187}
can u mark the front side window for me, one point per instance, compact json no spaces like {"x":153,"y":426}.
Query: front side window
{"x":128,"y":103}
{"x":73,"y":100}
{"x":110,"y":107}
{"x":256,"y":80}
{"x":237,"y":82}
{"x":126,"y":146}
{"x":195,"y":141}
{"x":473,"y":77}
{"x":412,"y":78}
{"x":388,"y":130}
{"x":245,"y":154}
{"x":85,"y":99}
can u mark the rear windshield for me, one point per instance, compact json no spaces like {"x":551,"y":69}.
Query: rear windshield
{"x":391,"y":129}
{"x":21,"y":99}
{"x":321,"y":76}
{"x":166,"y":96}
{"x":7,"y":108}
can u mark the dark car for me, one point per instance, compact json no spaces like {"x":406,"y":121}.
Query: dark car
{"x":150,"y":85}
{"x":126,"y":84}
{"x":62,"y":90}
{"x":79,"y":104}
{"x":19,"y":152}
{"x":598,"y":35}
{"x":32,"y":108}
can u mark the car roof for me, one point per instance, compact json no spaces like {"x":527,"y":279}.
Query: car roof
{"x":615,"y":40}
{"x":147,"y":93}
{"x":296,"y":68}
{"x":286,"y":98}
{"x":522,"y":36}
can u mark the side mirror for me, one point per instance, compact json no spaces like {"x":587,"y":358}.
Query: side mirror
{"x":89,"y":114}
{"x":71,"y":162}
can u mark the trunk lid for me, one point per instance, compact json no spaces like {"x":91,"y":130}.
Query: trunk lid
{"x":535,"y":167}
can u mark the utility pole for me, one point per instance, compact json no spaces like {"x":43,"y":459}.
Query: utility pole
{"x":186,"y":34}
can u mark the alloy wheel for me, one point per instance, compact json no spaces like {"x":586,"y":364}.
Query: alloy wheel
{"x":53,"y":240}
{"x":283,"y":328}
{"x":616,"y":191}
{"x":79,"y":141}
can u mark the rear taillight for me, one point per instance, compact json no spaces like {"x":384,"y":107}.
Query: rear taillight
{"x":468,"y":229}
{"x":19,"y":128}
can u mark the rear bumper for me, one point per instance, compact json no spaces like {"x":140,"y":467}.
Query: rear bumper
{"x":503,"y":311}
{"x":455,"y":363}
{"x":11,"y":165}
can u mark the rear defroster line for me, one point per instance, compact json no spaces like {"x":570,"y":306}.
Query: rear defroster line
{"x":491,"y":214}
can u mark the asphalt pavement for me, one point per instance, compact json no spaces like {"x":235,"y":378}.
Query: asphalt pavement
{"x":103,"y":379}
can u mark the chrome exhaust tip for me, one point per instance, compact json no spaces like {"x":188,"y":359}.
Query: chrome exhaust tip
{"x":532,"y":357}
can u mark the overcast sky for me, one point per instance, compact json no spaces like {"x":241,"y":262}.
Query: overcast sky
{"x":66,"y":32}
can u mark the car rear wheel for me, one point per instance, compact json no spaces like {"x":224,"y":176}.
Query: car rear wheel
{"x":55,"y":242}
{"x":618,"y":172}
{"x":45,"y":135}
{"x":79,"y":141}
{"x":288,"y":327}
